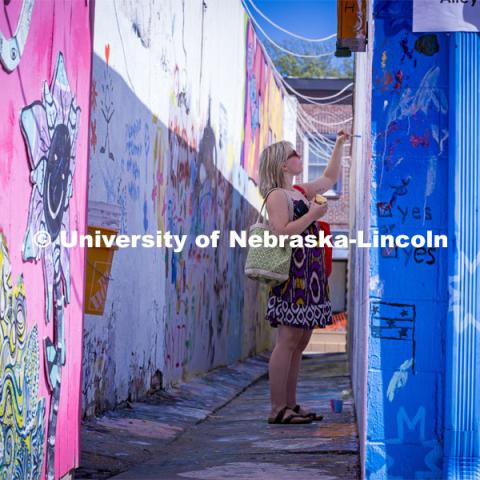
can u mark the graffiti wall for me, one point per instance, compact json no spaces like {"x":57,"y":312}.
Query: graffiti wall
{"x":45,"y":57}
{"x":406,"y":357}
{"x":168,"y":133}
{"x":264,"y":105}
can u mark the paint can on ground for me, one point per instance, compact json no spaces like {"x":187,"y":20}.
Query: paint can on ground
{"x":336,"y":405}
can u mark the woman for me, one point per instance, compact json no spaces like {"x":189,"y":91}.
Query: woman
{"x":302,"y":302}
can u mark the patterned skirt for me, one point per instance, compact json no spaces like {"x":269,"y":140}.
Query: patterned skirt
{"x":304,"y":299}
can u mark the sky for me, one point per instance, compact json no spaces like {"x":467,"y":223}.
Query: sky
{"x":310,"y":18}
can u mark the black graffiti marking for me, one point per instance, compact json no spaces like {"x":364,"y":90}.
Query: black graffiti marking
{"x":56,"y":179}
{"x":393,"y":321}
{"x":415,"y":212}
{"x":419,"y":255}
{"x":427,"y":44}
{"x":401,"y":190}
{"x":472,"y":2}
{"x":385,"y":209}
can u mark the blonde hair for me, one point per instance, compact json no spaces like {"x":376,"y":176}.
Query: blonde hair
{"x":271,"y":161}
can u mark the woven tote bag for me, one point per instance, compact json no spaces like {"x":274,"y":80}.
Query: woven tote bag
{"x":269,"y":265}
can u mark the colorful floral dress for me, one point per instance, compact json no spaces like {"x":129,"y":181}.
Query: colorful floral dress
{"x":304,"y":299}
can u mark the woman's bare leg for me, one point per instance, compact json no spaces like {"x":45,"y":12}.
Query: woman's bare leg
{"x":292,"y":379}
{"x":287,"y":342}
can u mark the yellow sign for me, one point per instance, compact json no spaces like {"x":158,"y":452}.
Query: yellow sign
{"x":99,"y":265}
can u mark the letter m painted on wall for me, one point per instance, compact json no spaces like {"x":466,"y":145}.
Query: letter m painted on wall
{"x":416,"y":424}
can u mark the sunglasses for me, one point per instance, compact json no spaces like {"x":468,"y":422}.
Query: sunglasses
{"x":293,"y":154}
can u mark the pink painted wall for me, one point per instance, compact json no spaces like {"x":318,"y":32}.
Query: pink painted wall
{"x":56,"y":26}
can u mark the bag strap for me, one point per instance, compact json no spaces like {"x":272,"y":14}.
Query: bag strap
{"x":289,"y":202}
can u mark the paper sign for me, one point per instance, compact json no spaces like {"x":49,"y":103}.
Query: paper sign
{"x":446,"y":15}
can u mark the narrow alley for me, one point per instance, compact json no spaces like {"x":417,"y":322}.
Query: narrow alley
{"x":143,"y":335}
{"x":182,"y":436}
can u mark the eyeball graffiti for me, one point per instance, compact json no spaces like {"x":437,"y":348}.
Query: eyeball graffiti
{"x":11,"y":49}
{"x":55,"y":186}
{"x":50,"y":128}
{"x":21,"y":411}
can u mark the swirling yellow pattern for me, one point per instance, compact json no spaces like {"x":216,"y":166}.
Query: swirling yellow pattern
{"x":21,"y":411}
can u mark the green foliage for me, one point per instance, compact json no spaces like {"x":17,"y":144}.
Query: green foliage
{"x":329,"y":66}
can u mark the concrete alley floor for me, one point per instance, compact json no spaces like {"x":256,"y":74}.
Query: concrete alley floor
{"x":235,"y":441}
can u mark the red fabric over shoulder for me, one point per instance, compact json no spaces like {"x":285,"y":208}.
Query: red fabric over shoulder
{"x":328,"y":250}
{"x":300,"y":189}
{"x":326,"y":229}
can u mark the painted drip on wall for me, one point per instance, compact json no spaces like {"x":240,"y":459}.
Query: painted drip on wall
{"x":166,"y":147}
{"x":409,"y":178}
{"x":43,"y":179}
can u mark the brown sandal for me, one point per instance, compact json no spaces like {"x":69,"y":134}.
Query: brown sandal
{"x":312,"y":415}
{"x":281,"y":419}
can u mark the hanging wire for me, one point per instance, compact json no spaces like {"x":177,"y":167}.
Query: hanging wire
{"x":315,"y":147}
{"x":318,"y":142}
{"x":300,"y":55}
{"x":321,"y":141}
{"x":315,"y":138}
{"x":334,"y":124}
{"x":321,"y":150}
{"x":331,"y":115}
{"x":285,"y":84}
{"x":309,"y":99}
{"x":313,"y":40}
{"x":318,"y":98}
{"x":333,"y":102}
{"x":306,"y":123}
{"x":326,"y":124}
{"x":282,"y":80}
{"x":311,"y":120}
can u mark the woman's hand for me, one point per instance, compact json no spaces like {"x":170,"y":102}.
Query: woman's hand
{"x":342,"y":136}
{"x":316,"y":211}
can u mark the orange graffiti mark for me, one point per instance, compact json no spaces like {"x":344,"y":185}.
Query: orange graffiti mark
{"x":93,"y":139}
{"x":386,"y":80}
{"x":93,"y":94}
{"x":107,"y":52}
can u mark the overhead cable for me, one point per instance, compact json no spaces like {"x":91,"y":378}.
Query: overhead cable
{"x":283,"y":49}
{"x":271,"y":22}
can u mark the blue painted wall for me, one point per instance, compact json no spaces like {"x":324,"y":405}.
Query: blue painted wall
{"x":408,"y":291}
